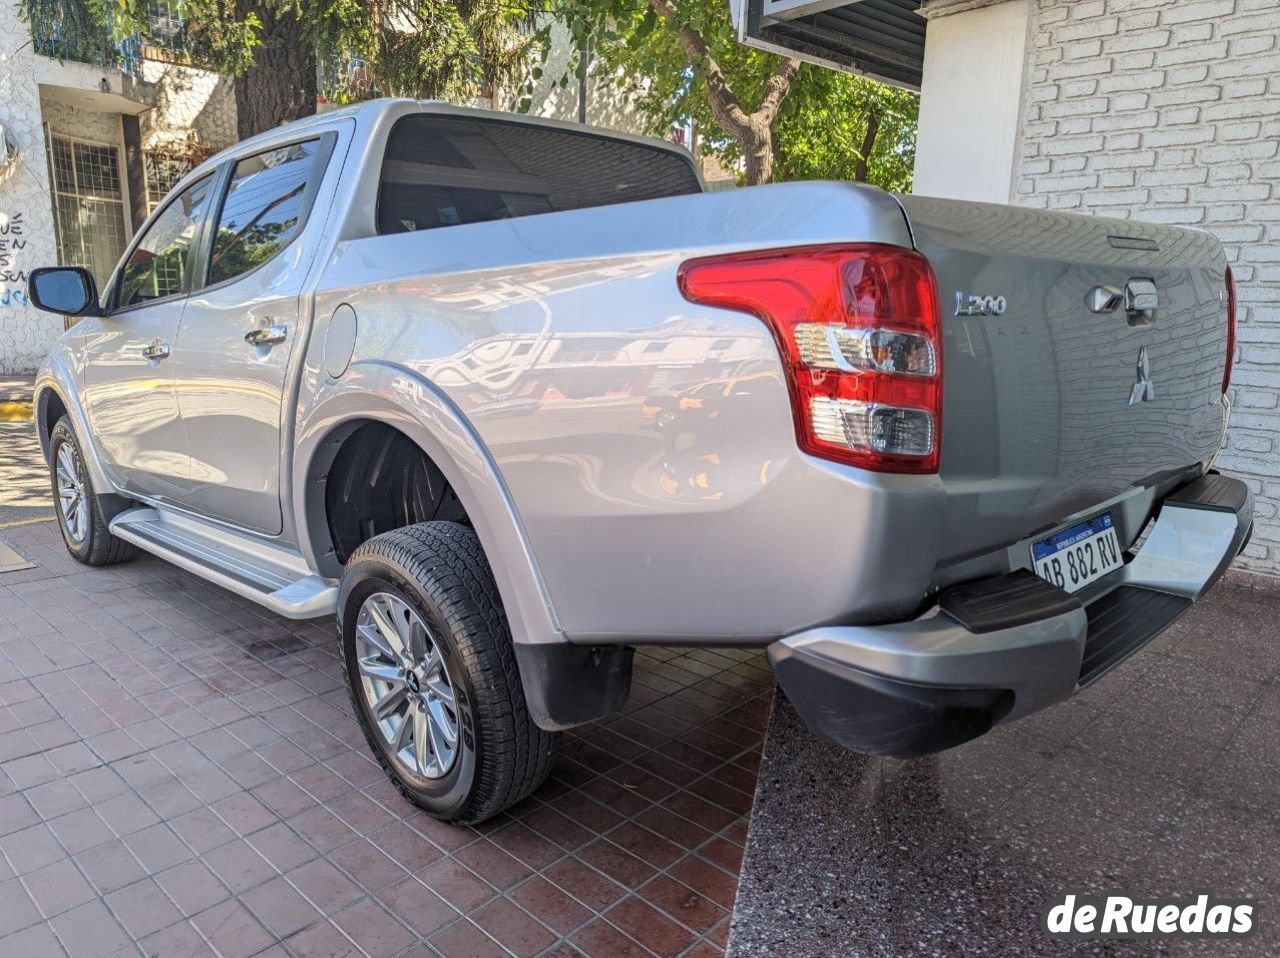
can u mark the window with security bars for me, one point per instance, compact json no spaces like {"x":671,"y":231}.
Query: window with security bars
{"x":88,"y":205}
{"x":162,"y":170}
{"x":165,"y":24}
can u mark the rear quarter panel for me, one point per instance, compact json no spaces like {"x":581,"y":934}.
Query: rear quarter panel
{"x":646,"y":443}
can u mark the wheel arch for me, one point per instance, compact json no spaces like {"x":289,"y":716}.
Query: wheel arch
{"x":49,"y":408}
{"x":54,"y":396}
{"x":373,"y":392}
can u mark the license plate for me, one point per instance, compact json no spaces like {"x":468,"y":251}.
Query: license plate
{"x":1074,"y":557}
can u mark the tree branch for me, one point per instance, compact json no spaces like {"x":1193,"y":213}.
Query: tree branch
{"x":776,"y":88}
{"x":725,"y":105}
{"x":863,"y":165}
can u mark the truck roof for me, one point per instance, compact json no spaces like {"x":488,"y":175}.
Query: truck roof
{"x":366,"y":114}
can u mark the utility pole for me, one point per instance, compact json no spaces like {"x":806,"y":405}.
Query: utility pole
{"x":584,"y":60}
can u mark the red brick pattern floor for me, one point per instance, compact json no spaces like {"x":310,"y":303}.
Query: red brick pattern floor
{"x":180,"y":775}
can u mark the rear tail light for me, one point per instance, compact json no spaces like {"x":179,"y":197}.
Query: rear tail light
{"x":1231,"y":330}
{"x":860,"y":333}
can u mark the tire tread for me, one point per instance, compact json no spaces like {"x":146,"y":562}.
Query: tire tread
{"x":449,"y":565}
{"x":104,"y":548}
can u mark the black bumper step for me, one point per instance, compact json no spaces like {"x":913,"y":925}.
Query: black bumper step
{"x":1122,"y":622}
{"x":1005,"y":602}
{"x":1215,"y":492}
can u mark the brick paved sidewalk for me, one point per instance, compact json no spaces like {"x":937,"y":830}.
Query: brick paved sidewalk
{"x":16,"y":389}
{"x":180,"y":774}
{"x":24,"y":479}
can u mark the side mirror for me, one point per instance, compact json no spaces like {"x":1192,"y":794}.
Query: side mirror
{"x":69,"y":290}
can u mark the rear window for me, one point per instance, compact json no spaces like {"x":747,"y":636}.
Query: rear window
{"x":445,"y":171}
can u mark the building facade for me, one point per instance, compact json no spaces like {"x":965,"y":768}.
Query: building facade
{"x":91,"y":147}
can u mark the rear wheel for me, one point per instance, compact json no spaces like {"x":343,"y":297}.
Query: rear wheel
{"x":84,"y":529}
{"x":432,"y":673}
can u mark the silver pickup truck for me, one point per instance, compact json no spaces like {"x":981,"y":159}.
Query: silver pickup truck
{"x":512,"y":397}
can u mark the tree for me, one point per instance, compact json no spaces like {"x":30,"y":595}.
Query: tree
{"x":842,"y":127}
{"x":781,"y":119}
{"x":280,"y":84}
{"x":684,"y":61}
{"x":416,"y":48}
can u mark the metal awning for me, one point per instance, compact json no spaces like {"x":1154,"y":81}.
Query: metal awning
{"x":883,"y":39}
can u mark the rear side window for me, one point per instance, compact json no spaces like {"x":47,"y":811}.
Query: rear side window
{"x":446,"y":171}
{"x":262,"y":209}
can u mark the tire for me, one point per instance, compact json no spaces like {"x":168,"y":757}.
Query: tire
{"x":435,"y":575}
{"x":85,"y":531}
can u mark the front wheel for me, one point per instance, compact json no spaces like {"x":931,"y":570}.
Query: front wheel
{"x":84,"y":529}
{"x":432,"y":673}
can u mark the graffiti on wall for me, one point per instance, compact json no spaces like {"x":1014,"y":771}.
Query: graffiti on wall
{"x":12,"y":242}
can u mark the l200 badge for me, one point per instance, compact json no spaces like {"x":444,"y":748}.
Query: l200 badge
{"x":980,"y":305}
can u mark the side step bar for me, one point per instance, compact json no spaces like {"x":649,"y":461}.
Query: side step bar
{"x":262,"y":573}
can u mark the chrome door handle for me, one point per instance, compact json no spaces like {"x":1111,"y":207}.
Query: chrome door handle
{"x":156,"y":351}
{"x":267,"y":336}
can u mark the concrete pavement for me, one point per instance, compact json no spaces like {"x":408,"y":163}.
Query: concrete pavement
{"x":1162,"y":780}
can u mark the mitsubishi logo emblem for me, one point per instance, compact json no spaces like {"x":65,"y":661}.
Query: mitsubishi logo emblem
{"x":1144,"y":390}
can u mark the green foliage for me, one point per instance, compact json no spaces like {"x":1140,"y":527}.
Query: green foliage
{"x":79,"y":30}
{"x":820,"y":130}
{"x":642,"y":52}
{"x":415,"y":48}
{"x":825,"y":124}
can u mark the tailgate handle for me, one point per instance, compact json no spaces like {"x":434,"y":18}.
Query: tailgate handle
{"x":1140,"y":298}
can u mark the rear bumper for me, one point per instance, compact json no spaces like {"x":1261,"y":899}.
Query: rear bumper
{"x":998,"y":650}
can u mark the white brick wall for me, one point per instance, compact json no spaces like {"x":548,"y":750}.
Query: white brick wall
{"x":1169,"y":111}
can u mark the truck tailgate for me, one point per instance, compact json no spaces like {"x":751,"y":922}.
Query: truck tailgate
{"x":1052,"y":407}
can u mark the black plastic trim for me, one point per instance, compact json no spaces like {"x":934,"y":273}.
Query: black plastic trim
{"x":1122,"y":622}
{"x":569,"y":685}
{"x":1214,"y":492}
{"x":881,"y":716}
{"x":1005,"y":601}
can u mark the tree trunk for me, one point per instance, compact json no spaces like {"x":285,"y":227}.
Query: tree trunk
{"x":862,"y":169}
{"x":757,"y":152}
{"x":281,"y":84}
{"x":753,"y":131}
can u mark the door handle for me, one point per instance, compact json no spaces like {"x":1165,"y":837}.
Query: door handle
{"x":156,"y":352}
{"x":267,"y":336}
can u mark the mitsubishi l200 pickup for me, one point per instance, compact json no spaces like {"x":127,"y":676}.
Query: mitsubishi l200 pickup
{"x":512,"y":397}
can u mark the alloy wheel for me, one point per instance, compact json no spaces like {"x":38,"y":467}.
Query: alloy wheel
{"x":407,"y":686}
{"x":72,"y":500}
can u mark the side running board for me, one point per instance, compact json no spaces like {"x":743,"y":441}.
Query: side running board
{"x":263,"y":573}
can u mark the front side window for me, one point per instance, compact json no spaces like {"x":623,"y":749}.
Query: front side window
{"x":159,"y":264}
{"x":263,"y":209}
